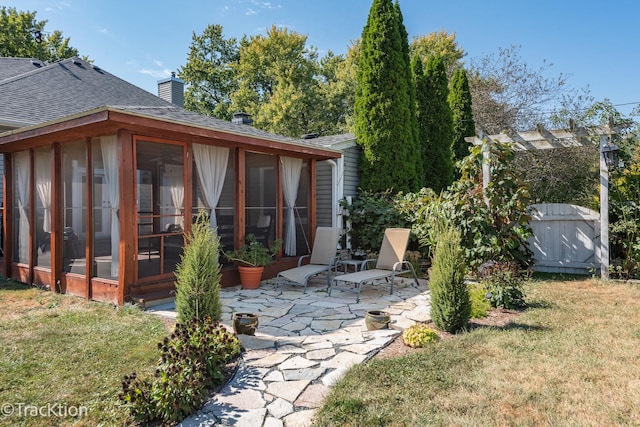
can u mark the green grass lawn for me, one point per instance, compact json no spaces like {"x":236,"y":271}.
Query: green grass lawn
{"x":572,"y":359}
{"x":69,"y":354}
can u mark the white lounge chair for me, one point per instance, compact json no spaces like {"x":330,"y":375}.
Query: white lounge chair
{"x":390,"y":263}
{"x":322,"y":259}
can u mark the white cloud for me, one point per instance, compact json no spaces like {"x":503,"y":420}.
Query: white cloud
{"x":158,"y":74}
{"x":250,"y":12}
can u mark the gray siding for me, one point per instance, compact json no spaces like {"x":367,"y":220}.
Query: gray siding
{"x":324,"y":175}
{"x":351,"y":178}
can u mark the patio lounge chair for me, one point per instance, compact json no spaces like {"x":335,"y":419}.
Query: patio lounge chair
{"x":390,"y":263}
{"x":322,"y":259}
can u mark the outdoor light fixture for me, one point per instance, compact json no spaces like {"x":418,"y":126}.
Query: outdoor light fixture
{"x":610,"y":153}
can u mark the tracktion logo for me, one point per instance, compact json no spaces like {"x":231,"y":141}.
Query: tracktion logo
{"x":50,"y":410}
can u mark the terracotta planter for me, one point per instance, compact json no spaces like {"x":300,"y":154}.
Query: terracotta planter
{"x":245,"y":323}
{"x":250,"y":277}
{"x":377,"y":320}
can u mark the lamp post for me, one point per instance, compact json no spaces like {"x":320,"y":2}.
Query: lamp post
{"x":608,"y":159}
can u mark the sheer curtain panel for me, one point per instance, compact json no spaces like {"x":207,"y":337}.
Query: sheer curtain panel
{"x":211,"y":164}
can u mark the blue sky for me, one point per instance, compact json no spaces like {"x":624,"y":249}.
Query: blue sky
{"x":141,"y":41}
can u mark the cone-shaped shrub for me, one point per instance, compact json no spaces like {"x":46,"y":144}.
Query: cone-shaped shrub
{"x":450,"y":303}
{"x":198,"y":274}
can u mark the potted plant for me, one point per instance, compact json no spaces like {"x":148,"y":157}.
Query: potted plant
{"x":251,"y":259}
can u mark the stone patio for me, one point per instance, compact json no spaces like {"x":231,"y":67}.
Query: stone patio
{"x":304,"y":343}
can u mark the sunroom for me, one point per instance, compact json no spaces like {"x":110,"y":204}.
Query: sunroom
{"x":97,"y":204}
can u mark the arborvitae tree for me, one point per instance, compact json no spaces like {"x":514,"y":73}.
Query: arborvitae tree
{"x":383,"y":115}
{"x":439,"y":130}
{"x":198,"y":274}
{"x":450,"y":303}
{"x":412,"y":120}
{"x":422,"y":106}
{"x":460,"y":103}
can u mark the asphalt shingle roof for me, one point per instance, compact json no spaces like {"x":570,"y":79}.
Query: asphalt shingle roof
{"x":33,"y":95}
{"x":65,"y":88}
{"x":10,"y":67}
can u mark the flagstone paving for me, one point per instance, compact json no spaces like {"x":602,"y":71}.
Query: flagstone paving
{"x":304,"y":343}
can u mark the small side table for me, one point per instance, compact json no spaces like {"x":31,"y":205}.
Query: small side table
{"x":347,"y":263}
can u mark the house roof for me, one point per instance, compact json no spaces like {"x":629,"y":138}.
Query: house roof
{"x":34,"y":97}
{"x":10,"y":67}
{"x":65,"y":88}
{"x":336,"y":142}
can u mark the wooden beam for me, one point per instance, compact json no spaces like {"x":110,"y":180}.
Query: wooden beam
{"x":279,"y":206}
{"x":127,"y":215}
{"x":188,"y":186}
{"x":90,"y":232}
{"x":31,"y":191}
{"x":240,"y":217}
{"x":57,"y":237}
{"x":312,"y":195}
{"x":7,"y":217}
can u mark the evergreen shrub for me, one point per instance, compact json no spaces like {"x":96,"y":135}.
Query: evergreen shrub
{"x":198,"y":274}
{"x":450,"y":304}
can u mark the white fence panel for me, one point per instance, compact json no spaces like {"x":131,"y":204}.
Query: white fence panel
{"x":566,"y":238}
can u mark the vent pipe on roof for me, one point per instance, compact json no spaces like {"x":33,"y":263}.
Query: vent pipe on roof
{"x":242,"y":118}
{"x":309,"y":136}
{"x":172,"y":90}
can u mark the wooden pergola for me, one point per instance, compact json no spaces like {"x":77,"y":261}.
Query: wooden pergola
{"x":544,"y":139}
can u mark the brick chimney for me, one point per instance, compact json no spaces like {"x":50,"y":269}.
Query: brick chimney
{"x":172,"y":90}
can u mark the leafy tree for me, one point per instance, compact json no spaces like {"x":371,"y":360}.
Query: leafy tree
{"x":509,"y":94}
{"x":337,"y":91}
{"x":494,"y":232}
{"x":384,"y":117}
{"x":450,"y":302}
{"x":198,"y":274}
{"x":553,"y":179}
{"x":209,"y":74}
{"x":277,"y":82}
{"x":22,"y":36}
{"x":624,"y":208}
{"x":440,"y":44}
{"x":462,"y":111}
{"x":438,"y":131}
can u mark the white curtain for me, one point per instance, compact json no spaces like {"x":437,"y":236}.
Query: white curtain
{"x":21,"y":164}
{"x":176,"y":187}
{"x":43,"y":185}
{"x":109,"y":149}
{"x":290,"y":169}
{"x":211,"y":164}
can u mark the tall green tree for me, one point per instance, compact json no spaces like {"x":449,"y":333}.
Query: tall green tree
{"x":438,"y":132}
{"x":277,"y":82}
{"x":438,"y":43}
{"x":209,"y":73}
{"x":23,"y":36}
{"x":422,"y":114}
{"x":337,"y":91}
{"x":384,"y":118}
{"x":462,"y":111}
